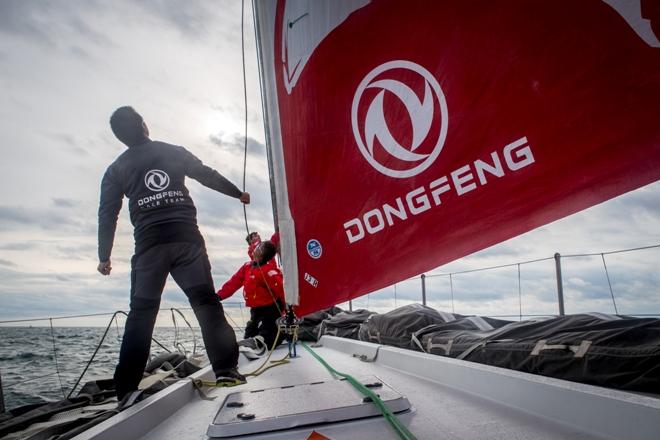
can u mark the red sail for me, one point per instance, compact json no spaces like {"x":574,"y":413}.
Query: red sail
{"x":413,"y":133}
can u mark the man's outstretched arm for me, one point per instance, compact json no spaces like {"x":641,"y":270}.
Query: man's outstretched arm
{"x":233,"y":284}
{"x":109,"y":207}
{"x":210,"y":178}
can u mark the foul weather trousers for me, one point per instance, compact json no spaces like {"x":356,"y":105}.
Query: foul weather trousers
{"x":263,"y":323}
{"x":191,"y":270}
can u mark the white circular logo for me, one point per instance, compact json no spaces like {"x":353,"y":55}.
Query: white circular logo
{"x":156,"y":180}
{"x":314,"y":248}
{"x":425,"y":129}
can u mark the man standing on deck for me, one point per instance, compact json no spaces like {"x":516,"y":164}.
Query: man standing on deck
{"x":167,"y":241}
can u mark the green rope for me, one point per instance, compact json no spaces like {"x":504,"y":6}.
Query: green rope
{"x":399,"y":428}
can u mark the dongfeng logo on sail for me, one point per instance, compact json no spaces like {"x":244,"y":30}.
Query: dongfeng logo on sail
{"x":428,"y":118}
{"x":394,"y":88}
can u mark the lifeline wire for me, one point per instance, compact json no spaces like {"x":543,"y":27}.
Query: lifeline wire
{"x":12,"y":385}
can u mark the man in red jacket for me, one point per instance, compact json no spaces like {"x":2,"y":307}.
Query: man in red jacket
{"x":263,"y":291}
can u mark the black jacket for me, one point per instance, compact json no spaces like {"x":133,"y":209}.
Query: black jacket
{"x":152,"y":176}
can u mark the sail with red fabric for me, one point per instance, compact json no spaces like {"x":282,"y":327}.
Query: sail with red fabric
{"x":406,"y":134}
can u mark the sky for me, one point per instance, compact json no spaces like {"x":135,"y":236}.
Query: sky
{"x":67,"y":65}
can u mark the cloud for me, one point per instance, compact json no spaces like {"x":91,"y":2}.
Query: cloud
{"x":20,"y":218}
{"x":235,"y":143}
{"x":19,"y":246}
{"x":69,"y":142}
{"x":48,"y":23}
{"x":193,"y":19}
{"x":496,"y":291}
{"x":33,"y":294}
{"x":80,"y":53}
{"x":80,"y":252}
{"x":64,"y":203}
{"x":26,"y":19}
{"x":16,"y":215}
{"x":88,"y":34}
{"x":7,"y":263}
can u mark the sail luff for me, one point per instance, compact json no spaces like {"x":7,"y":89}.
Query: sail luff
{"x":264,"y":112}
{"x":264,"y":16}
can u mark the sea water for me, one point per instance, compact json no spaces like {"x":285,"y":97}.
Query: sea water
{"x":40,"y":364}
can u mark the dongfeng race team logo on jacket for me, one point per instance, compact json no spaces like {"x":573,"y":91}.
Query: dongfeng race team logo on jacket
{"x":399,"y":118}
{"x":156,"y":180}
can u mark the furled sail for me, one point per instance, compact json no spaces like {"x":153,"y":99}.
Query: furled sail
{"x":406,"y":134}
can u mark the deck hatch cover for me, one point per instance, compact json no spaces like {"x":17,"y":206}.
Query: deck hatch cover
{"x":287,"y":407}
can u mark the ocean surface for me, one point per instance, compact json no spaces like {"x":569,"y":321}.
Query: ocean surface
{"x":30,"y":358}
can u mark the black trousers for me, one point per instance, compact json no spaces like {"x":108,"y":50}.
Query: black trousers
{"x":189,"y":266}
{"x":262,"y":323}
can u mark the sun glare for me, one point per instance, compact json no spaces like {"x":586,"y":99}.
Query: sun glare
{"x":217,"y":124}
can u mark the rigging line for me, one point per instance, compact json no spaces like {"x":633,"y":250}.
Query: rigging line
{"x":519,"y":296}
{"x":99,"y":346}
{"x":57,"y":367}
{"x":394,"y":422}
{"x":190,"y":308}
{"x":160,"y":345}
{"x":56,"y":317}
{"x":235,"y":325}
{"x":263,"y":367}
{"x":489,"y":268}
{"x":41,"y":376}
{"x":259,"y":370}
{"x":92,"y":358}
{"x":616,"y":311}
{"x":644,"y":314}
{"x":613,"y":252}
{"x":117,"y":327}
{"x":190,"y":327}
{"x":176,"y":329}
{"x":451,"y":289}
{"x":152,"y":338}
{"x":279,"y":310}
{"x":532,"y":315}
{"x":240,"y":309}
{"x":246,"y":109}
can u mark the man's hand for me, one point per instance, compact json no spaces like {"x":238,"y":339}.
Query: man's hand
{"x":245,"y":198}
{"x":104,"y":267}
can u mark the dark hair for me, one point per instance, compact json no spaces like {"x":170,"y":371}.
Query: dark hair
{"x":126,"y":124}
{"x":250,"y":235}
{"x":268,"y":251}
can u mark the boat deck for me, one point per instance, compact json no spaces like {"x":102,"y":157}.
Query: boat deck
{"x":449,"y":399}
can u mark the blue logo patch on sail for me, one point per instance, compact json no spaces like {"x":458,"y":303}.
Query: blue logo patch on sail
{"x":314,"y":249}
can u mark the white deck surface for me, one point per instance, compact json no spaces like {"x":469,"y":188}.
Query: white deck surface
{"x":451,"y":400}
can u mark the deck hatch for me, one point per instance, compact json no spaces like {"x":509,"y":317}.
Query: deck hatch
{"x":300,"y":405}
